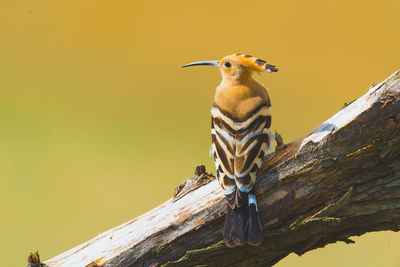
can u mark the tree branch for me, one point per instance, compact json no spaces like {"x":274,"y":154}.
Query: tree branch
{"x":341,"y":180}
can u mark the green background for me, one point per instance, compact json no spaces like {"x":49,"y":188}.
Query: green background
{"x":98,"y":122}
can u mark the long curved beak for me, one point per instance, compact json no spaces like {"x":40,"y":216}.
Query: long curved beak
{"x":214,"y":63}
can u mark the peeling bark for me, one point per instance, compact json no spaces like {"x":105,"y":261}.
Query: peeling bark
{"x":340,"y":180}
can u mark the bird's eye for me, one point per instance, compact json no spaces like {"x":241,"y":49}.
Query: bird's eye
{"x":228,"y":64}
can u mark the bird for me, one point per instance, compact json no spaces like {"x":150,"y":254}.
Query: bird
{"x":240,"y":135}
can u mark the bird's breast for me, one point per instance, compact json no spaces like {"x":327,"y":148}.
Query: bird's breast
{"x":238,"y":102}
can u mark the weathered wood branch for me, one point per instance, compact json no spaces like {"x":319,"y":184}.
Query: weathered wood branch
{"x":341,"y":180}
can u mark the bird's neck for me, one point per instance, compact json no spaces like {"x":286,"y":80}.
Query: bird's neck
{"x":242,"y":80}
{"x":233,"y":90}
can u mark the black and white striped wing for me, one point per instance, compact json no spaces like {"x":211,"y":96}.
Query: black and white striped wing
{"x":223,"y":150}
{"x":252,"y":141}
{"x":238,"y":147}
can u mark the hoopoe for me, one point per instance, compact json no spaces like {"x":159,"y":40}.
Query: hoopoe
{"x":240,"y":122}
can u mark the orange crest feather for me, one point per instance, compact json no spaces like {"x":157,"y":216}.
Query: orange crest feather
{"x":255,"y":63}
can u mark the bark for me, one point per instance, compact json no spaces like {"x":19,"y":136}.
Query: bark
{"x":340,"y":180}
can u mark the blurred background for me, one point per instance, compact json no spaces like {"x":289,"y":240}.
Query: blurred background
{"x":98,"y":122}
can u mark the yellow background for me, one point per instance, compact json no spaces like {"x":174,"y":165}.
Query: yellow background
{"x":98,"y":122}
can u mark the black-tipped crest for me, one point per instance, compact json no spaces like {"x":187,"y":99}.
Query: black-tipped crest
{"x":255,"y":63}
{"x":271,"y":68}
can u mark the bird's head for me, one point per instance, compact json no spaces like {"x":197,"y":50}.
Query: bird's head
{"x":238,"y":66}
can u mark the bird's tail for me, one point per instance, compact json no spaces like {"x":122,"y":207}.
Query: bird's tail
{"x":254,"y":233}
{"x":242,"y":224}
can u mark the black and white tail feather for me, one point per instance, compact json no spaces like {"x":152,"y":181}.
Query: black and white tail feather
{"x":242,"y":224}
